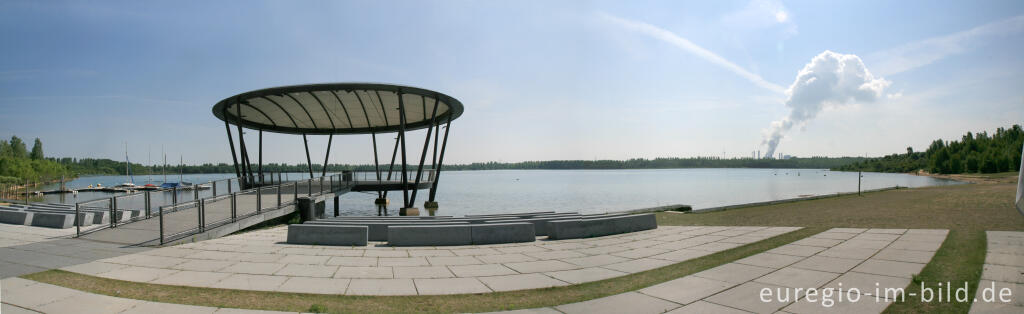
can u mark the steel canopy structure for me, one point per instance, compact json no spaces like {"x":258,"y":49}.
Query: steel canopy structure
{"x":342,"y":108}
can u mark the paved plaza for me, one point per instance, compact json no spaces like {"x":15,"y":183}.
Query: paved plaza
{"x":841,"y":257}
{"x":261,"y":260}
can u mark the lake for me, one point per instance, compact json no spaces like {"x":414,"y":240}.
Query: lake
{"x":586,"y":191}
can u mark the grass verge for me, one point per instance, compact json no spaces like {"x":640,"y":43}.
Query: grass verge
{"x":298,"y":302}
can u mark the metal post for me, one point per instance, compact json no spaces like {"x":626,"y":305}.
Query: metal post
{"x":195,"y":191}
{"x":214,"y":188}
{"x":423,"y":155}
{"x":401,"y":130}
{"x":241,"y":145}
{"x":113,"y":212}
{"x":199,"y":214}
{"x":376,"y":162}
{"x":309,"y":162}
{"x":394,"y":154}
{"x":234,"y":206}
{"x":174,"y":196}
{"x":337,"y":207}
{"x":858,"y":182}
{"x":161,"y":225}
{"x":330,"y":138}
{"x":440,"y":162}
{"x":229,"y":185}
{"x":148,"y":211}
{"x":231,"y":142}
{"x":295,"y":191}
{"x":260,"y":160}
{"x":309,"y":189}
{"x":78,"y":226}
{"x":259,"y":199}
{"x":278,"y":195}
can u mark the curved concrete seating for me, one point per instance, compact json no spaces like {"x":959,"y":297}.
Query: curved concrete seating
{"x":540,"y":223}
{"x":456,"y":234}
{"x":52,"y":220}
{"x":95,"y":216}
{"x":513,"y":215}
{"x":15,"y":217}
{"x":327,"y":234}
{"x":600,"y":226}
{"x":378,"y":230}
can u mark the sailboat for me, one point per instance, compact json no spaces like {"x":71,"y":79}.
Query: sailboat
{"x":181,"y":184}
{"x":130,"y":181}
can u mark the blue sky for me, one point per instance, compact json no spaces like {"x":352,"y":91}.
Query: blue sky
{"x":540,"y":79}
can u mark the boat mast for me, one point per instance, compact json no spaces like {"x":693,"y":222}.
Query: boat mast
{"x":164,"y":168}
{"x":181,"y":165}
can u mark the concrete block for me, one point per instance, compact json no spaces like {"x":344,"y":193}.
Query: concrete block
{"x":503,"y":233}
{"x":595,"y":227}
{"x":540,"y":223}
{"x":378,"y":231}
{"x":430,"y":235}
{"x":327,"y":234}
{"x":15,"y":217}
{"x":52,"y":220}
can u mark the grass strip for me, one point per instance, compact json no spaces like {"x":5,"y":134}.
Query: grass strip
{"x":498,"y":301}
{"x":960,"y":259}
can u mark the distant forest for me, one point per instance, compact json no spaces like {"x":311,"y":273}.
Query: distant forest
{"x":19,"y":164}
{"x":110,"y":167}
{"x":973,"y":153}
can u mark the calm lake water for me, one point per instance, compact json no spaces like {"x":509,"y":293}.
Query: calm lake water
{"x":586,"y":191}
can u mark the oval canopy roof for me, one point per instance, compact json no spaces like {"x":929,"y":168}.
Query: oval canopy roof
{"x":337,"y":108}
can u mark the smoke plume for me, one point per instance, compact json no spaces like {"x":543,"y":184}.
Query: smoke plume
{"x":829,"y":80}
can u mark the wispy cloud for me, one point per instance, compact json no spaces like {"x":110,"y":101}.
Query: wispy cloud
{"x":924,"y":52}
{"x":688,"y":46}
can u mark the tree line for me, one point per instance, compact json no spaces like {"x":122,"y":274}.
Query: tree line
{"x":973,"y":153}
{"x":18,"y":164}
{"x":111,"y":167}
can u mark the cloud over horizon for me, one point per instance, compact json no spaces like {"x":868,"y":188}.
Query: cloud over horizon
{"x":830,"y":80}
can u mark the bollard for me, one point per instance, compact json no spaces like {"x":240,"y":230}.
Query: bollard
{"x":161,"y":209}
{"x":113,"y":212}
{"x":78,"y":226}
{"x":174,"y":196}
{"x":146,"y":197}
{"x":278,"y":194}
{"x":234,"y":207}
{"x":259,"y":200}
{"x":214,"y":188}
{"x":199,"y":214}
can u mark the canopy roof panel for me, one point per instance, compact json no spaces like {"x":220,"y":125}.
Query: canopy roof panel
{"x":337,"y":108}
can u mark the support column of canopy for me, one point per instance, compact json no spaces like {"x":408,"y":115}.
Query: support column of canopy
{"x":440,"y":162}
{"x":423,"y":155}
{"x":406,"y":207}
{"x":231,"y":143}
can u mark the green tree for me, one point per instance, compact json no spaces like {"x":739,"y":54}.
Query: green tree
{"x":37,"y":150}
{"x":972,"y":162}
{"x":18,"y":149}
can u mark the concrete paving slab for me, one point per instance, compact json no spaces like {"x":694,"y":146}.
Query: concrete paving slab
{"x":453,"y":260}
{"x":381,"y":287}
{"x":916,"y":245}
{"x":425,"y":253}
{"x":589,"y":274}
{"x":86,"y":303}
{"x":450,"y":286}
{"x":402,"y":261}
{"x":483,"y":270}
{"x":364,"y":272}
{"x":30,"y":294}
{"x":702,"y":307}
{"x":314,"y":285}
{"x":629,"y":302}
{"x":796,"y":250}
{"x":770,"y":260}
{"x":1003,"y":273}
{"x":351,"y":261}
{"x":94,"y":268}
{"x":504,"y":258}
{"x":889,"y":268}
{"x":735,"y":273}
{"x":851,"y":253}
{"x":304,"y":259}
{"x":820,"y":242}
{"x":554,"y":255}
{"x":138,"y":274}
{"x":816,"y":304}
{"x":687,"y":289}
{"x":595,"y":260}
{"x":540,"y":266}
{"x":863,"y":244}
{"x":300,"y":270}
{"x":747,"y":297}
{"x":834,"y":235}
{"x":866,"y":284}
{"x":422,"y":272}
{"x":146,"y":307}
{"x":829,"y":264}
{"x":11,"y":309}
{"x":886,"y":231}
{"x":640,"y":253}
{"x":639,"y":265}
{"x":250,"y":282}
{"x":904,"y":255}
{"x":520,"y":282}
{"x":253,"y":268}
{"x":797,"y":278}
{"x":1005,"y":259}
{"x":682,"y":255}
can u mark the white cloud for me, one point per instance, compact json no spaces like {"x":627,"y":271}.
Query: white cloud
{"x":923,"y":52}
{"x":830,"y":79}
{"x":761,"y":14}
{"x":688,"y":46}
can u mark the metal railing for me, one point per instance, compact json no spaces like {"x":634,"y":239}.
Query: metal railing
{"x":142,"y":203}
{"x":195,"y":216}
{"x":396,"y":175}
